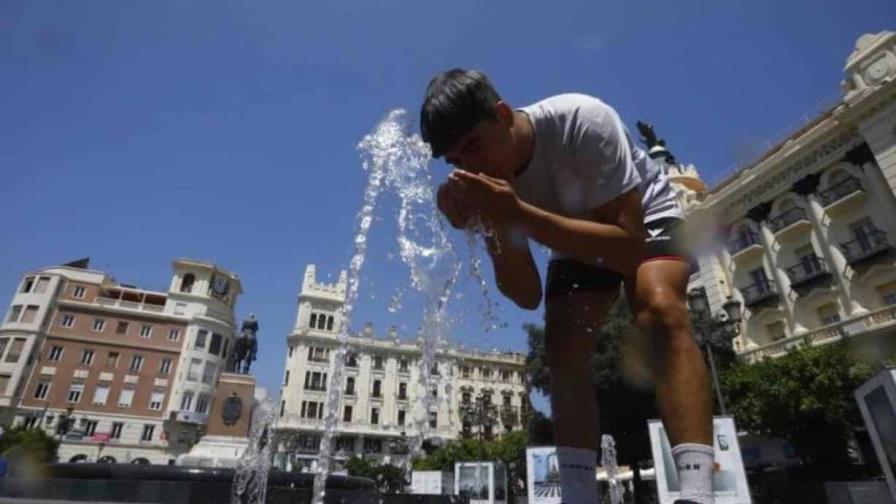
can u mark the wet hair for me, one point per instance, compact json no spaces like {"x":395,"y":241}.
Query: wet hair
{"x":456,"y":101}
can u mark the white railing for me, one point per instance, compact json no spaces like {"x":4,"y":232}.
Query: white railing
{"x":824,"y":335}
{"x":129,"y":305}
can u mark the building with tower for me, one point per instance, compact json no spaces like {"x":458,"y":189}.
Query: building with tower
{"x":802,"y":240}
{"x":476,"y":394}
{"x":117,"y":372}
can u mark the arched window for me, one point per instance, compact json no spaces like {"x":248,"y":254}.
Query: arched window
{"x":330,"y":323}
{"x":321,"y":321}
{"x":313,"y":322}
{"x":186,"y":285}
{"x":837,"y":176}
{"x":141,"y":461}
{"x":106,"y":459}
{"x":78,"y":458}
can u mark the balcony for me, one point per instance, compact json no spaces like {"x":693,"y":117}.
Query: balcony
{"x":866,"y":246}
{"x":129,"y":305}
{"x":748,"y":240}
{"x":509,"y":415}
{"x":808,"y":271}
{"x":840,"y":191}
{"x":760,"y":293}
{"x":789,"y":219}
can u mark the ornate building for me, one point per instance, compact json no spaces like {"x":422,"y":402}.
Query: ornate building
{"x":808,"y":230}
{"x":477,"y":394}
{"x":115,"y":371}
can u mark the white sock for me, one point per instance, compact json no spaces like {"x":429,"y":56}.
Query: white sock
{"x":695,"y":466}
{"x":578,"y":479}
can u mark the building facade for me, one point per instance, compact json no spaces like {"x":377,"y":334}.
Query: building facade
{"x":130,"y":372}
{"x":807,"y":232}
{"x":474,"y":394}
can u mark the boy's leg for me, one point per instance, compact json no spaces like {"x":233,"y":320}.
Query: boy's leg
{"x":657,"y":298}
{"x":576,"y":302}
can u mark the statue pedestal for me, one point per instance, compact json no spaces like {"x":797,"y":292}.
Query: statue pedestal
{"x":229,"y":420}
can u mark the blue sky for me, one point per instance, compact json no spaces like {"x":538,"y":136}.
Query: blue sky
{"x":134,"y":133}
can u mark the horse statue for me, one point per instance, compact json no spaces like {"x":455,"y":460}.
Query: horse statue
{"x":246,"y":346}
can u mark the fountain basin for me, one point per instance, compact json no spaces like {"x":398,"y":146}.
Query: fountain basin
{"x":173,"y":485}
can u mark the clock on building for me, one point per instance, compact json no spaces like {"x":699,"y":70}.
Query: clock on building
{"x":220,"y":285}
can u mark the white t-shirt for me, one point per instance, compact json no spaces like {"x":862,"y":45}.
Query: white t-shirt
{"x":584,"y":158}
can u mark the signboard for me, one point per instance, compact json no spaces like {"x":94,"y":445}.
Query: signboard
{"x":481,"y":482}
{"x":729,"y":480}
{"x":432,"y":483}
{"x":542,"y":475}
{"x":100,"y":437}
{"x":877,"y":402}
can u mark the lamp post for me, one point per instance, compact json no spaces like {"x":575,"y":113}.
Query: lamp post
{"x":481,"y":413}
{"x":724,"y":325}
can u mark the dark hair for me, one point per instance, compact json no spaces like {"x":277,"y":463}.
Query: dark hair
{"x":455,"y":102}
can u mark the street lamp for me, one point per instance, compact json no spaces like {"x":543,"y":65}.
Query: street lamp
{"x":481,"y":413}
{"x":725,"y":325}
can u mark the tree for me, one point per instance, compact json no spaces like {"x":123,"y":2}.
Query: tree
{"x":805,"y":397}
{"x":32,"y":444}
{"x":620,"y":376}
{"x":389,"y":478}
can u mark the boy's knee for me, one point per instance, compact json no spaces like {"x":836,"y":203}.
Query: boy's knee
{"x":665,"y":312}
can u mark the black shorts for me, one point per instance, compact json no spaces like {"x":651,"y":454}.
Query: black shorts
{"x":665,"y":240}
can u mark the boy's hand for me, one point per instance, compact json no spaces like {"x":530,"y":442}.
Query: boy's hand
{"x":448,"y":203}
{"x":490,"y":197}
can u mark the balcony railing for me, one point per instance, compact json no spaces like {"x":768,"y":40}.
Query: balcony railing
{"x":866,"y":246}
{"x":743,"y":241}
{"x":509,"y":414}
{"x":787,"y":218}
{"x":759,"y":292}
{"x":129,"y":305}
{"x":806,"y":271}
{"x":840,"y":190}
{"x":827,"y":334}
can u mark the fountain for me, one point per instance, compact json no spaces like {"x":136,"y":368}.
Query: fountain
{"x":608,"y":460}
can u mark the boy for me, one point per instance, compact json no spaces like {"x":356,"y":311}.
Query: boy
{"x":565,"y":173}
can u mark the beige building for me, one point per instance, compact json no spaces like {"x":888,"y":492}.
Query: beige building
{"x":808,"y":230}
{"x":133,"y":369}
{"x":382,"y":396}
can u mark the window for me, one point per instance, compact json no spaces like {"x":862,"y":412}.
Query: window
{"x":208,"y":375}
{"x":98,"y":324}
{"x":224,"y":350}
{"x":434,"y":370}
{"x":829,"y":314}
{"x":486,"y":373}
{"x":372,"y":445}
{"x":148,"y":430}
{"x":193,"y":371}
{"x":30,"y":314}
{"x":116,"y":430}
{"x":401,"y":416}
{"x":3,"y":343}
{"x":433,"y":420}
{"x":345,"y":444}
{"x":330,"y":323}
{"x":55,"y":353}
{"x":90,"y":428}
{"x":347,"y":413}
{"x":313,"y":322}
{"x":42,"y":390}
{"x":200,"y":339}
{"x":377,"y":386}
{"x":315,"y":380}
{"x":67,"y":320}
{"x":87,"y":357}
{"x":165,"y":366}
{"x":121,"y":328}
{"x":215,"y":347}
{"x":146,"y":331}
{"x":402,"y":365}
{"x":402,"y":391}
{"x":27,"y":285}
{"x":351,"y":360}
{"x":776,"y":331}
{"x":312,"y":409}
{"x":112,"y":360}
{"x":507,"y":400}
{"x":291,"y":348}
{"x":318,"y":354}
{"x":125,"y":398}
{"x":4,"y":383}
{"x":375,"y":416}
{"x":173,"y":334}
{"x":30,"y":422}
{"x":286,"y":378}
{"x":101,"y":395}
{"x":136,"y":363}
{"x":887,"y":293}
{"x":321,"y":321}
{"x":505,"y":375}
{"x":15,"y":351}
{"x":464,"y":372}
{"x":156,"y":400}
{"x":202,"y":403}
{"x":42,"y":284}
{"x":78,"y":292}
{"x":282,"y":407}
{"x":186,"y":285}
{"x":15,"y":313}
{"x":350,"y":385}
{"x":74,"y":393}
{"x":186,"y":402}
{"x":378,"y":362}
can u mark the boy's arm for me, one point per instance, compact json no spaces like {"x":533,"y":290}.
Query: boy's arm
{"x":613,"y":238}
{"x":515,"y":271}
